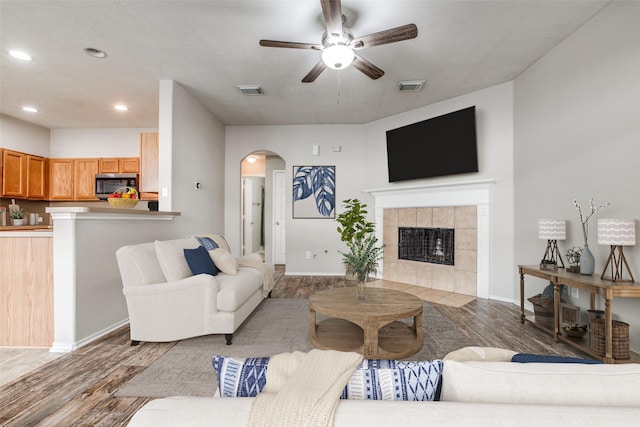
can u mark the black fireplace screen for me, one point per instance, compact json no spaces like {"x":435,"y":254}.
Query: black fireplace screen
{"x":434,"y":245}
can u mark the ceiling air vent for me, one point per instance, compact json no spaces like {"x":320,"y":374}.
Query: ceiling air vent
{"x":409,"y":85}
{"x":251,"y":89}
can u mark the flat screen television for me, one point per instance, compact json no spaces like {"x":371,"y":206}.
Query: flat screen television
{"x":443,"y":145}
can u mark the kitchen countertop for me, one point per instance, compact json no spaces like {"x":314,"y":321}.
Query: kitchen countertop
{"x":107,"y":210}
{"x":26,"y":231}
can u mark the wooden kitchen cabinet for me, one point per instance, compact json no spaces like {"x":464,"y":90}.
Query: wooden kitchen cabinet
{"x":148,"y":185}
{"x":119,"y":165}
{"x":84,"y":179}
{"x":72,"y":179}
{"x":61,"y":179}
{"x":23,"y":176}
{"x":36,"y":177}
{"x":14,"y":174}
{"x":129,"y":165}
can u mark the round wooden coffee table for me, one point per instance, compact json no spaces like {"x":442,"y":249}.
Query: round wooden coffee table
{"x":370,"y":327}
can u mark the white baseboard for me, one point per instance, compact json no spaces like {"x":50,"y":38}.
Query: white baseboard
{"x":61,"y":347}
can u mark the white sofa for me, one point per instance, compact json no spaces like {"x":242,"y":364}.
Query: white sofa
{"x":474,"y":393}
{"x":166,"y":302}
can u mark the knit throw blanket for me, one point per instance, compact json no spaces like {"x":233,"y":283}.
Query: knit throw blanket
{"x":266,"y":270}
{"x":303,"y":389}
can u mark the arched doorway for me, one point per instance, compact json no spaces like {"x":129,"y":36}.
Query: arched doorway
{"x":263,"y":199}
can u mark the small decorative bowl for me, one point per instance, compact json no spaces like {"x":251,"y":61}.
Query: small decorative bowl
{"x":575,"y":331}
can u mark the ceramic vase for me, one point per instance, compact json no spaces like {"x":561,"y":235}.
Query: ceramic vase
{"x":587,"y":261}
{"x":361,"y":290}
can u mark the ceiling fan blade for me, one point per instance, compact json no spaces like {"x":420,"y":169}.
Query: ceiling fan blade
{"x":314,"y":73}
{"x":392,"y":35}
{"x":332,"y":11}
{"x":293,"y":45}
{"x":367,"y":67}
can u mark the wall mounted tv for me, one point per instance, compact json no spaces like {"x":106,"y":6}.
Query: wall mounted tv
{"x":443,"y":145}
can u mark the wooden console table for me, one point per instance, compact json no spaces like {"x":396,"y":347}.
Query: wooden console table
{"x":595,"y":286}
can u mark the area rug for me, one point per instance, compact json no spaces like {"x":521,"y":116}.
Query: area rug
{"x":278,"y":325}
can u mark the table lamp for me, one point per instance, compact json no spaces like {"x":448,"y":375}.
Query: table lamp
{"x":617,"y":233}
{"x":552,"y":230}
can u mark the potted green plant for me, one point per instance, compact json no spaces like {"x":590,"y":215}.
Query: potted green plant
{"x":353,"y":221}
{"x":17,"y":216}
{"x":357,"y":233}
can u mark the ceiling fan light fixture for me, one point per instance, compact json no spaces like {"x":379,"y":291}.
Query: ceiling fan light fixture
{"x":338,"y":56}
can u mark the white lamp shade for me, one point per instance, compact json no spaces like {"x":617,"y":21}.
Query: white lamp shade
{"x":338,"y":56}
{"x":617,"y":232}
{"x":552,"y":229}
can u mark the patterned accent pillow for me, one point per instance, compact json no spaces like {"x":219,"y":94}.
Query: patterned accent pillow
{"x":207,"y":242}
{"x":374,"y":379}
{"x":394,"y":380}
{"x":241,"y":377}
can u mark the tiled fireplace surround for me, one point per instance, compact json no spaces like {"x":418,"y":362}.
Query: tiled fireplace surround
{"x":463,"y":206}
{"x":460,"y":277}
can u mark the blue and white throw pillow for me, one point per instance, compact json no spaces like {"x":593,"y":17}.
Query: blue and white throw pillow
{"x":394,"y":380}
{"x":374,"y":379}
{"x":241,"y":377}
{"x":207,"y":242}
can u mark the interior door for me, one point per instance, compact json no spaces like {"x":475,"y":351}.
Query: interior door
{"x":279,"y":216}
{"x":253,"y":214}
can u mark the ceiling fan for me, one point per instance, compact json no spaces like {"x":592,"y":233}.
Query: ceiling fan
{"x":339,"y":46}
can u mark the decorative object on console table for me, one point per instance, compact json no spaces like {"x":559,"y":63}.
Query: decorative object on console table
{"x":548,"y":265}
{"x":569,"y":314}
{"x":573,"y":256}
{"x":587,"y":261}
{"x":551,"y":230}
{"x":617,"y":233}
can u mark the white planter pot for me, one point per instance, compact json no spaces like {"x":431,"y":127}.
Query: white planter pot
{"x":20,"y":221}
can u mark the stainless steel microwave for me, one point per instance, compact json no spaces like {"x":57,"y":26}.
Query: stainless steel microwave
{"x":107,"y":183}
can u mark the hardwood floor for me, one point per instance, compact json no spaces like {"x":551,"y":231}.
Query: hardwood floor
{"x":77,"y":389}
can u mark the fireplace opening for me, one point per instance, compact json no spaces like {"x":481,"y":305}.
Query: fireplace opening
{"x":433,"y":245}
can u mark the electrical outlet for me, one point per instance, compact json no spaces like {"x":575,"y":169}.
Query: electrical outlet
{"x":308,"y":255}
{"x":574,"y":292}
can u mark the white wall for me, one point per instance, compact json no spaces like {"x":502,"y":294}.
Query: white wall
{"x":191,"y":149}
{"x":494,"y":128}
{"x":361,"y":165}
{"x":577,"y":136}
{"x":294,"y":145}
{"x":24,"y":137}
{"x":117,"y":142}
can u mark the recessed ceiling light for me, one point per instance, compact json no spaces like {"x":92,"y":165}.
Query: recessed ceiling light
{"x":121,"y":107}
{"x":20,"y":55}
{"x":29,"y":109}
{"x":96,"y":53}
{"x":251,"y":159}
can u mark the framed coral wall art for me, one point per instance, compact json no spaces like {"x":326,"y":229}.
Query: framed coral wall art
{"x":314,"y":192}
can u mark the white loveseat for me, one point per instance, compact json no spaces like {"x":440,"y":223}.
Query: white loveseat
{"x":474,"y":393}
{"x":166,"y":302}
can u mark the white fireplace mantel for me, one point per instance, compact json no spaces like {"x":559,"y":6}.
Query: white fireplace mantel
{"x":463,"y":193}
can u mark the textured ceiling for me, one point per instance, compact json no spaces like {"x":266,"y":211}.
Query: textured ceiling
{"x":210,"y":47}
